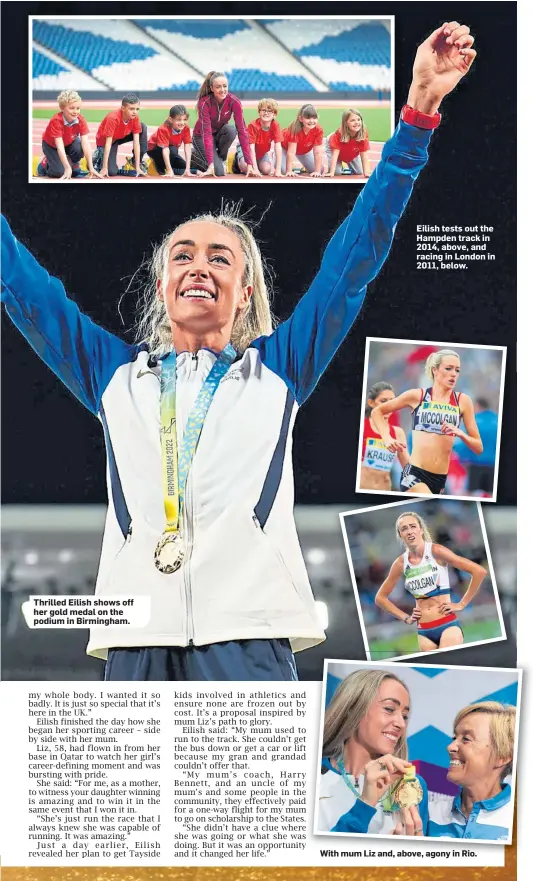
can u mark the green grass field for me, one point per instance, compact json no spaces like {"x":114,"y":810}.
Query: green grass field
{"x":377,"y":119}
{"x":408,"y":644}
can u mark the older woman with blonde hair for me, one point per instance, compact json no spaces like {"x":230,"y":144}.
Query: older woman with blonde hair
{"x":481,"y":757}
{"x":198,"y":415}
{"x":437,"y":413}
{"x":364,"y":757}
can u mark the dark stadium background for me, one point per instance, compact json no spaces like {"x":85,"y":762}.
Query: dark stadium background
{"x":94,"y":239}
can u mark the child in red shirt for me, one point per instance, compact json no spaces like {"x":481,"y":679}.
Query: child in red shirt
{"x":303,"y":140}
{"x":262,"y":133}
{"x":164,"y":144}
{"x":66,"y":140}
{"x":349,"y":144}
{"x":119,"y":127}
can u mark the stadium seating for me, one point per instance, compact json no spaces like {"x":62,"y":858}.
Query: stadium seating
{"x":52,"y":74}
{"x":245,"y":52}
{"x":87,"y":50}
{"x":261,"y":56}
{"x":115,"y":53}
{"x":365,"y":44}
{"x":42,"y":65}
{"x":214,"y":29}
{"x":346,"y":54}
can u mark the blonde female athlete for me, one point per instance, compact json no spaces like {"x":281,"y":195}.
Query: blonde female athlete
{"x":376,"y":459}
{"x":424,"y":567}
{"x":437,"y":414}
{"x":198,"y":416}
{"x":364,"y":754}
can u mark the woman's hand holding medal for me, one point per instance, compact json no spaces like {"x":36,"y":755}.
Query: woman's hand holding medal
{"x":380,"y":774}
{"x":408,"y":795}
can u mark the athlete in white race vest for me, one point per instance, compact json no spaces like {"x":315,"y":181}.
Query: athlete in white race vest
{"x":437,"y":414}
{"x":424,"y":567}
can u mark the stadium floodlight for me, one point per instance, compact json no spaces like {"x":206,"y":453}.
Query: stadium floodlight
{"x":316,"y":556}
{"x":322,"y":612}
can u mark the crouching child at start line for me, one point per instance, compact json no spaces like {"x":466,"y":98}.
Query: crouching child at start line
{"x":122,"y":126}
{"x":163,"y":146}
{"x":66,"y":141}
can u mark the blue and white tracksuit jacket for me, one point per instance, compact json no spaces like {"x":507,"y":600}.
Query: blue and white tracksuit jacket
{"x":489,"y":820}
{"x":339,"y":809}
{"x":244,"y":576}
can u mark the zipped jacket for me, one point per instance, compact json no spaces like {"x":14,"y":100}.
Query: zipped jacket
{"x":244,"y":576}
{"x":212,"y":116}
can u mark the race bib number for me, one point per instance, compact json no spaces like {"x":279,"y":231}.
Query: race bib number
{"x":377,"y":456}
{"x":432,"y":416}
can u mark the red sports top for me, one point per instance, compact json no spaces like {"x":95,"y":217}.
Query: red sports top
{"x":58,"y":128}
{"x":113,"y":126}
{"x":263,"y":139}
{"x":165,"y":136}
{"x":374,"y":453}
{"x":304,"y":141}
{"x":348,"y":150}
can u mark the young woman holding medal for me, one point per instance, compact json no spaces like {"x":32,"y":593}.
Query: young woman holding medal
{"x":424,"y":567}
{"x":437,"y":414}
{"x":481,"y":757}
{"x":198,"y":416}
{"x":367,"y":784}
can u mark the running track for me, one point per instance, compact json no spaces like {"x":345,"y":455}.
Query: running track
{"x":39,"y":125}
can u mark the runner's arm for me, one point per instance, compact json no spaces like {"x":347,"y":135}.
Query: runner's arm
{"x":409,"y":399}
{"x":446,"y":556}
{"x":403,"y":456}
{"x":471,"y":437}
{"x":82,"y":354}
{"x":382,"y":596}
{"x":302,"y":347}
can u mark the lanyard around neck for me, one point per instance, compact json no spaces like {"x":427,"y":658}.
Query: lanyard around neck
{"x":176,"y":466}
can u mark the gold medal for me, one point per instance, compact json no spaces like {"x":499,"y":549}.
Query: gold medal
{"x":408,"y":793}
{"x":169,"y":553}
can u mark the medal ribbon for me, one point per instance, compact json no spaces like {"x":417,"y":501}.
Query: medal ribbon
{"x":386,"y":800}
{"x":176,"y":467}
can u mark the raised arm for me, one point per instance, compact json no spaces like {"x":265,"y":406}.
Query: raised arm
{"x":83,"y":355}
{"x":302,"y":347}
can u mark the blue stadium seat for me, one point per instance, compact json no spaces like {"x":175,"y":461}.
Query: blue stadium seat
{"x":201,"y":30}
{"x":189,"y":86}
{"x":87,"y":50}
{"x":43,"y":66}
{"x":248,"y":80}
{"x":365,"y":44}
{"x":350,"y":87}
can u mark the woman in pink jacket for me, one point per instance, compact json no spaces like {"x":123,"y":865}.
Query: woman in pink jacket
{"x":213,"y":134}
